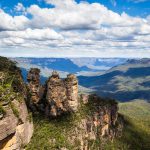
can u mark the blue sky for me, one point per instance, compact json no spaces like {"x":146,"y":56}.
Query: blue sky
{"x":132,"y":7}
{"x":72,"y":28}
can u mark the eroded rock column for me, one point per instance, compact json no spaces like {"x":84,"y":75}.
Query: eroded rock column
{"x":72,"y":92}
{"x":34,"y":87}
{"x":56,"y":96}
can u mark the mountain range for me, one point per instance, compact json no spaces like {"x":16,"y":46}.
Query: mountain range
{"x":124,"y":82}
{"x":119,"y":78}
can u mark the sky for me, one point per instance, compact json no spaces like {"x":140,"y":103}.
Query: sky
{"x":75,"y":28}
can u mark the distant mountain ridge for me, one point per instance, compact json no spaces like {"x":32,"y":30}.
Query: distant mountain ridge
{"x":60,"y":64}
{"x":125,"y":82}
{"x":123,"y":79}
{"x":79,"y":66}
{"x":140,"y":61}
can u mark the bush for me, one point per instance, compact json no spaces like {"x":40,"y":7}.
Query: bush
{"x":14,"y":109}
{"x":2,"y":110}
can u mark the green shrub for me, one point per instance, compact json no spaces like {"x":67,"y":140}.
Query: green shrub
{"x":30,"y":118}
{"x":2,"y":110}
{"x":14,"y":109}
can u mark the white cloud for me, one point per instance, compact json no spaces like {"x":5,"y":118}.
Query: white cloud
{"x":60,"y":3}
{"x":8,"y":22}
{"x":19,"y":7}
{"x":35,"y":34}
{"x":74,"y":29}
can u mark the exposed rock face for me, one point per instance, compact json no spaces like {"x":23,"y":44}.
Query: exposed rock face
{"x":56,"y":96}
{"x":15,"y":131}
{"x":100,"y":120}
{"x":62,"y":95}
{"x":16,"y":127}
{"x":71,"y":83}
{"x":35,"y":92}
{"x":101,"y":123}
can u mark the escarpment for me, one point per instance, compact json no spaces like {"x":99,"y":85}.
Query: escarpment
{"x":98,"y":122}
{"x":16,"y":125}
{"x":89,"y":118}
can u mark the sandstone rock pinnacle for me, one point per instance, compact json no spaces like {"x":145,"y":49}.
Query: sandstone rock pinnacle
{"x":34,"y":87}
{"x":71,"y":83}
{"x":62,"y":95}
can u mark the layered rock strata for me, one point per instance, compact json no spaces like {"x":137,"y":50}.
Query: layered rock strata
{"x":15,"y":130}
{"x":35,"y":89}
{"x":71,"y":84}
{"x":16,"y":126}
{"x":62,"y":95}
{"x":94,"y":118}
{"x":57,"y":96}
{"x":100,"y":123}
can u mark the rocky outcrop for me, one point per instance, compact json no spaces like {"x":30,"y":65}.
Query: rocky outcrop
{"x":16,"y":127}
{"x":35,"y":89}
{"x":56,"y":96}
{"x":62,"y":95}
{"x":71,"y":84}
{"x":104,"y":113}
{"x":100,"y":122}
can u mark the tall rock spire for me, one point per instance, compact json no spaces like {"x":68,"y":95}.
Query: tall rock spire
{"x":71,"y":83}
{"x":56,"y":96}
{"x":34,"y":87}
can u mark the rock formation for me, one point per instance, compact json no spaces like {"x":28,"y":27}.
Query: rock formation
{"x":16,"y":125}
{"x":62,"y":95}
{"x":35,"y":89}
{"x":56,"y":96}
{"x":99,"y":122}
{"x":15,"y":130}
{"x":71,"y":84}
{"x":101,"y":116}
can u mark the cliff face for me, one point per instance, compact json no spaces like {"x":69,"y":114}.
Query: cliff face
{"x":16,"y":126}
{"x":99,"y":122}
{"x":104,"y":115}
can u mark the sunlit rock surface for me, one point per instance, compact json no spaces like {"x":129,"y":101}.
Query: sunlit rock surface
{"x":16,"y":126}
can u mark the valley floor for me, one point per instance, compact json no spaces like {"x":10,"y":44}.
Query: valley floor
{"x":136,"y":135}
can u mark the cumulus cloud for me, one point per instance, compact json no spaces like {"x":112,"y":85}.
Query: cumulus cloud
{"x":35,"y":34}
{"x":74,"y":29}
{"x":19,"y":7}
{"x":8,"y":22}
